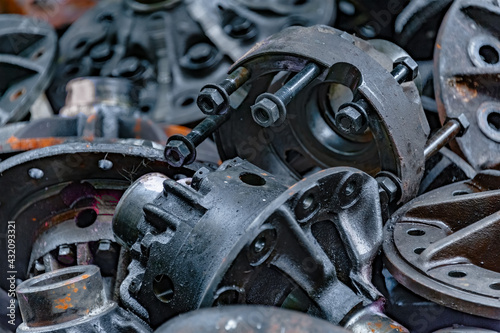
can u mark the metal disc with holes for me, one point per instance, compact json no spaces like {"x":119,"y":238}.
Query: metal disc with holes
{"x":27,"y":51}
{"x":467,"y":78}
{"x":444,"y":245}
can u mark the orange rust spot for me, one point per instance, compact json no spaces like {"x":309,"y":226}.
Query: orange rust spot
{"x":438,"y":46}
{"x":395,"y":327}
{"x":219,"y":162}
{"x":176,"y":129}
{"x":75,"y":290}
{"x":378,"y":325}
{"x":33,"y":143}
{"x":63,"y":303}
{"x":33,"y":219}
{"x":84,"y":287}
{"x":229,"y":177}
{"x":85,"y":276}
{"x":91,"y":118}
{"x":137,"y":128}
{"x":264,"y":174}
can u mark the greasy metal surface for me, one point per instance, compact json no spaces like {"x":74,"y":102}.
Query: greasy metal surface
{"x":49,"y":187}
{"x":444,"y":245}
{"x":28,"y":49}
{"x":237,"y":235}
{"x":467,"y":78}
{"x":172,"y":50}
{"x":308,"y":140}
{"x":247,"y":319}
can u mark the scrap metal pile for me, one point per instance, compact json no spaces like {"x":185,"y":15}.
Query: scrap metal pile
{"x":250,"y":166}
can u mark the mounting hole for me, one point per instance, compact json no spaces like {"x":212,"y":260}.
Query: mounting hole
{"x":105,"y":164}
{"x":145,"y":108}
{"x":35,"y":173}
{"x":457,"y":274}
{"x":252,"y":179}
{"x":16,"y":94}
{"x":489,"y":54}
{"x":419,"y":250}
{"x":259,"y":244}
{"x":494,"y":121}
{"x":85,"y":218}
{"x":163,"y":288}
{"x":415,"y":232}
{"x":187,"y":102}
{"x":495,"y":286}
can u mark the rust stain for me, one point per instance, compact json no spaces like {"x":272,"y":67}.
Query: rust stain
{"x":33,"y":143}
{"x":85,"y":276}
{"x":75,"y":290}
{"x":438,"y":46}
{"x":137,"y":128}
{"x":91,"y":118}
{"x":395,"y":327}
{"x":176,"y":129}
{"x":84,"y":287}
{"x":63,"y":303}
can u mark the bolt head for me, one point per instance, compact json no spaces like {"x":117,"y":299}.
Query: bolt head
{"x":464,"y":123}
{"x":176,"y":153}
{"x":409,"y":63}
{"x":350,"y":120}
{"x":265,"y":112}
{"x":389,"y":187}
{"x":210,"y":101}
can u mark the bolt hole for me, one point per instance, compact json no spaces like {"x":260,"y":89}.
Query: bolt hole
{"x":188,"y":101}
{"x":349,"y":189}
{"x":494,"y":121}
{"x":163,"y":288}
{"x":457,"y":274}
{"x":489,"y":54}
{"x":80,"y":44}
{"x":228,"y":297}
{"x":145,"y":108}
{"x":308,"y":201}
{"x":16,"y":94}
{"x":415,"y":232}
{"x":419,"y":250}
{"x":37,"y":55}
{"x":105,"y":164}
{"x":252,"y":179}
{"x":495,"y":286}
{"x":35,"y":173}
{"x":460,"y":192}
{"x":86,"y":218}
{"x":262,"y":115}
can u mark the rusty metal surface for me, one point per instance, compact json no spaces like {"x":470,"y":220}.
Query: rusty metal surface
{"x":444,"y":245}
{"x":467,"y":78}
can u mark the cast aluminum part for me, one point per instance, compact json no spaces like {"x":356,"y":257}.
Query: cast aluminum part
{"x":444,"y":245}
{"x":62,"y":199}
{"x":171,"y":48}
{"x":28,"y":49}
{"x":309,"y":138}
{"x":239,"y":236}
{"x":466,"y":78}
{"x":247,"y":319}
{"x":72,"y":300}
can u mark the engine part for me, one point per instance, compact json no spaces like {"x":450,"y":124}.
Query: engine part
{"x":417,"y":26}
{"x":464,"y":330}
{"x":62,"y":199}
{"x":309,"y":138}
{"x":466,"y":79}
{"x":72,"y":300}
{"x":27,"y":53}
{"x":238,"y":235}
{"x":247,"y":319}
{"x":189,"y":42}
{"x":443,"y":245}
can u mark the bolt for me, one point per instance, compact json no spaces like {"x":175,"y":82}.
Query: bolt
{"x":405,"y":69}
{"x":176,"y":153}
{"x":104,"y":246}
{"x":265,"y":112}
{"x":278,"y":101}
{"x":350,"y":119}
{"x":200,"y":53}
{"x":214,"y":99}
{"x":454,"y":127}
{"x":101,"y":52}
{"x":65,"y":255}
{"x":390,"y":184}
{"x":134,"y":286}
